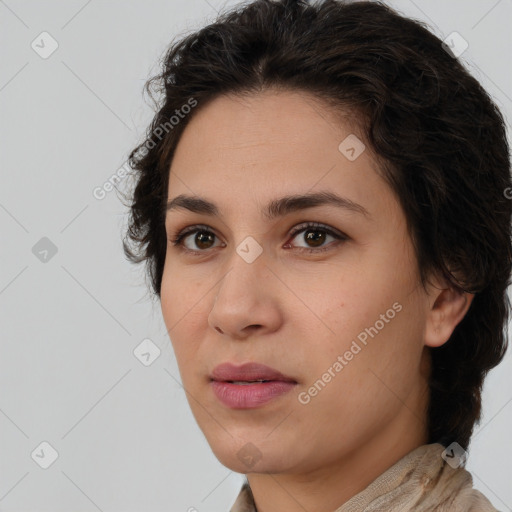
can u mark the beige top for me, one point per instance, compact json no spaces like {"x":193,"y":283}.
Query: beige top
{"x":422,"y":481}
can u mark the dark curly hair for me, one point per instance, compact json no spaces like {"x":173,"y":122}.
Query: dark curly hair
{"x":440,"y":140}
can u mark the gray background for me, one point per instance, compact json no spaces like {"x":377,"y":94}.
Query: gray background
{"x":125,"y":437}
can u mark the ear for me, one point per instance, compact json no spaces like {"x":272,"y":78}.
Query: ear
{"x":447,"y":308}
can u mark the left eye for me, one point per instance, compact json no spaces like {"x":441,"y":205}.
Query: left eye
{"x":313,"y":233}
{"x":316,"y":234}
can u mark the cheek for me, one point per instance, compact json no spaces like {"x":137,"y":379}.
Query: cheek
{"x":168,"y":295}
{"x":371,"y":381}
{"x":371,"y":324}
{"x":332,"y":304}
{"x":182,"y":295}
{"x":182,"y":315}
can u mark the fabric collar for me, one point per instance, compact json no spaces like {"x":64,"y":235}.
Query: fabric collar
{"x":422,"y":481}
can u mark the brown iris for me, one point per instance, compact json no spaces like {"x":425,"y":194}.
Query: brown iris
{"x":203,"y":237}
{"x":317,"y":239}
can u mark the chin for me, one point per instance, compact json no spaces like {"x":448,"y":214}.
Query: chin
{"x":265,"y":464}
{"x":244,"y":455}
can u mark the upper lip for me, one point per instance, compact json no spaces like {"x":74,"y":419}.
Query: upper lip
{"x":247,"y":372}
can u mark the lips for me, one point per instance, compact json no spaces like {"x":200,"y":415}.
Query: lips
{"x":246,"y":373}
{"x":249,"y":386}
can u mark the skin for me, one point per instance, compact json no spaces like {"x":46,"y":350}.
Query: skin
{"x":295,"y":311}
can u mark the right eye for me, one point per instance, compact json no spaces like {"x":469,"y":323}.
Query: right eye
{"x":203,"y":236}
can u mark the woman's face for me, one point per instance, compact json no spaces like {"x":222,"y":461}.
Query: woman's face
{"x":344,"y":318}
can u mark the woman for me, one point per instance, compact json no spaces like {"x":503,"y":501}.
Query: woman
{"x":321,"y":206}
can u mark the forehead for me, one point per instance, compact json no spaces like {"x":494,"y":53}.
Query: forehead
{"x":270,"y":116}
{"x":266,"y":145}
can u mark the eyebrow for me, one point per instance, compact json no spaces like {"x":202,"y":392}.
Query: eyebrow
{"x":275,"y":208}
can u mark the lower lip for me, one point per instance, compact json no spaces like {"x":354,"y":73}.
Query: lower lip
{"x":248,"y":396}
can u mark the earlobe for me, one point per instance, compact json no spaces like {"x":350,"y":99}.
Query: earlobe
{"x":447,"y":310}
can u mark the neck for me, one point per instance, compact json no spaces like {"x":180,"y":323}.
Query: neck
{"x":327,"y":488}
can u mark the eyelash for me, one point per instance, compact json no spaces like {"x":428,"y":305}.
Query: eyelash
{"x":177,"y":240}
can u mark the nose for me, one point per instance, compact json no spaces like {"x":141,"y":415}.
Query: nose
{"x":247,"y":300}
